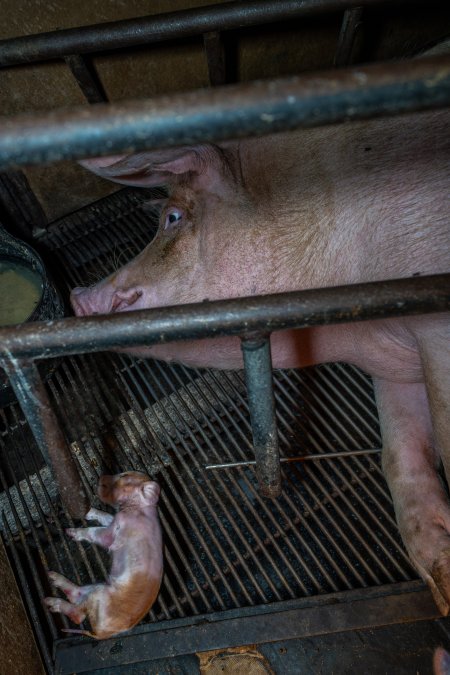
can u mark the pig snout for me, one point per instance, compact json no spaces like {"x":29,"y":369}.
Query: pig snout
{"x":107,"y":300}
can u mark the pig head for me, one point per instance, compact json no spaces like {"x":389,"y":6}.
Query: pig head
{"x":356,"y":202}
{"x":201,"y":251}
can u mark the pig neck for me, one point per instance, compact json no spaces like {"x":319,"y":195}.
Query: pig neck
{"x":299,"y":228}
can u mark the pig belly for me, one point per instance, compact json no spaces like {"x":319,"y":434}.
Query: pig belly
{"x":381,"y":348}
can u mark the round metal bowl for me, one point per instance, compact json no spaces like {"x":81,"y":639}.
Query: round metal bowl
{"x":50,"y":305}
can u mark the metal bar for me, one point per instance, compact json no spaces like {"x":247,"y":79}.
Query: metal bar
{"x":182,"y":494}
{"x":291,"y":520}
{"x":34,"y":401}
{"x":189,"y":469}
{"x":258,"y":546}
{"x":234,"y":111}
{"x":34,"y":577}
{"x":24,"y":579}
{"x":351,"y":24}
{"x":87,"y":78}
{"x":167,"y":26}
{"x":347,"y":487}
{"x":300,"y":458}
{"x":261,"y":403}
{"x":352,"y":610}
{"x":299,"y":309}
{"x":21,"y":206}
{"x":215,"y":58}
{"x":51,"y":510}
{"x":333,"y":527}
{"x":222,"y":442}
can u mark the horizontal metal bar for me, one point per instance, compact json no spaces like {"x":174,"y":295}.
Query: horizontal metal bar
{"x":167,"y":26}
{"x":233,"y":111}
{"x":300,"y":458}
{"x":300,"y":309}
{"x":327,"y":614}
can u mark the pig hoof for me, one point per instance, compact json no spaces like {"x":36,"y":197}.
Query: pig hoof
{"x":91,"y":515}
{"x":72,"y":532}
{"x":440,"y":582}
{"x":53,"y":604}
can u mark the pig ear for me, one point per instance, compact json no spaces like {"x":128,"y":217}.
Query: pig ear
{"x":150,"y":491}
{"x":148,"y":169}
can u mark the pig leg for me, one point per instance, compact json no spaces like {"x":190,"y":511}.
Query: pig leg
{"x":75,"y":593}
{"x":103,"y":536}
{"x":410,"y":467}
{"x":101,"y":516}
{"x":434,"y":347}
{"x":433,"y":337}
{"x":76,"y":613}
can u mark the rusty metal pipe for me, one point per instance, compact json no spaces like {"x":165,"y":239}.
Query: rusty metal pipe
{"x":167,"y":26}
{"x":233,"y":111}
{"x":298,"y":309}
{"x":35,"y":403}
{"x":261,"y":403}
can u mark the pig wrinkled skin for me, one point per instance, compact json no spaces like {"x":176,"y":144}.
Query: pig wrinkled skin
{"x":133,"y":536}
{"x":344,"y":204}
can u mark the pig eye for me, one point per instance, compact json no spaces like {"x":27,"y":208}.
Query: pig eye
{"x":172,"y":217}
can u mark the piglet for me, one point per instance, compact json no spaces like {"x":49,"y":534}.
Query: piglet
{"x":134,"y":538}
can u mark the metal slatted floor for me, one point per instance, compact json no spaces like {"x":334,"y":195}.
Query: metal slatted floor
{"x":226,"y":547}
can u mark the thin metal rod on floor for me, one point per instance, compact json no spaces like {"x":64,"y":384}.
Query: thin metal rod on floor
{"x":300,"y":458}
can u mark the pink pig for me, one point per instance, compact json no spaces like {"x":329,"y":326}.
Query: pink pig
{"x":344,"y":204}
{"x":133,"y":536}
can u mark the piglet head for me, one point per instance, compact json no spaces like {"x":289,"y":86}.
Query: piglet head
{"x":131,"y":488}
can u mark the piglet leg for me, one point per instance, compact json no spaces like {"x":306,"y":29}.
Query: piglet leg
{"x":103,"y":536}
{"x":76,"y":613}
{"x":410,"y":467}
{"x":75,"y":593}
{"x":102,"y":517}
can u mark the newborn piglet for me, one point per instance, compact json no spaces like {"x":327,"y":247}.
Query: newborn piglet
{"x":134,"y":538}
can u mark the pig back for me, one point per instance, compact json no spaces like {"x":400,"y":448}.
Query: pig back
{"x":360,"y":201}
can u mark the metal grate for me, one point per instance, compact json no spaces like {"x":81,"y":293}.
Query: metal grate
{"x":226,"y":547}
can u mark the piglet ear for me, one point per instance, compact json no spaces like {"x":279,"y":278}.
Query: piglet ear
{"x":148,"y":169}
{"x":151,"y":491}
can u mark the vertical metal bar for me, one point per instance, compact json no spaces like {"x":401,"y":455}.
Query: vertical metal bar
{"x":20,"y":205}
{"x":215,"y":57}
{"x":258,"y":378}
{"x":33,"y":398}
{"x":351,"y":25}
{"x":87,"y":78}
